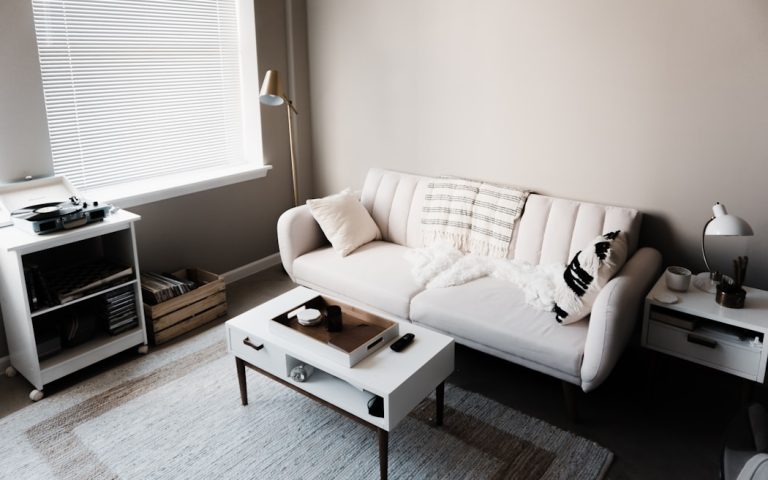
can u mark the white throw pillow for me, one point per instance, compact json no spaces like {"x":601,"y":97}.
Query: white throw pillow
{"x":586,"y":275}
{"x":344,"y":221}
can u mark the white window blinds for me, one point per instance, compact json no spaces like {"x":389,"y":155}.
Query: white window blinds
{"x":140,"y":88}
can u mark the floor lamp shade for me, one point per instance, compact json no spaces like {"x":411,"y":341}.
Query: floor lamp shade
{"x":271,"y":92}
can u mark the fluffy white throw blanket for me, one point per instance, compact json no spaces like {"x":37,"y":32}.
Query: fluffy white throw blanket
{"x":442,"y":265}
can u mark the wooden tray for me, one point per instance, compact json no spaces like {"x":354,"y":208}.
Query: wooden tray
{"x":363,"y":333}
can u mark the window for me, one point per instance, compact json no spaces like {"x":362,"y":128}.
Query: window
{"x":141,"y":91}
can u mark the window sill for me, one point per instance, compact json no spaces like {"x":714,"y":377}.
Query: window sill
{"x":150,"y":190}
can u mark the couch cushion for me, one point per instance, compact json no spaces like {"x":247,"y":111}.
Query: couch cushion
{"x":394,"y":200}
{"x":376,"y":274}
{"x":552,"y":230}
{"x":494,"y":313}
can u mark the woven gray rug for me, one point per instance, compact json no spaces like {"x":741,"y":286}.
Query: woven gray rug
{"x":176,"y":414}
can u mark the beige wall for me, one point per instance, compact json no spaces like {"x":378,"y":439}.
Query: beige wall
{"x":658,"y":105}
{"x":218,"y":230}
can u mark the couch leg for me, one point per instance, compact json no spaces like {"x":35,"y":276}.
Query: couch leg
{"x":570,"y":395}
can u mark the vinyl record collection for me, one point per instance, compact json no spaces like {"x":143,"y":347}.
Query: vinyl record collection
{"x":118,"y":309}
{"x":157,"y":288}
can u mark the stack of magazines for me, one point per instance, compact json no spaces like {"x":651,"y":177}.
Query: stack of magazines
{"x":119,"y":310}
{"x":157,"y":288}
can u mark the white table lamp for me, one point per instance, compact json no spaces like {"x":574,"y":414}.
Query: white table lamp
{"x":722,"y":223}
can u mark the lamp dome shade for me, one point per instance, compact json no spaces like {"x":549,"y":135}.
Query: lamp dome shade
{"x":271,"y":93}
{"x":726,"y":224}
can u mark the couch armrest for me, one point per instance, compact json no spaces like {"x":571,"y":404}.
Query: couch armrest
{"x":297,"y":234}
{"x":613,"y":317}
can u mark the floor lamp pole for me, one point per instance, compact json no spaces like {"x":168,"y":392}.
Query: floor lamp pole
{"x":289,"y":110}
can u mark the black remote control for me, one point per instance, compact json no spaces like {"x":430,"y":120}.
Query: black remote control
{"x":402,"y":342}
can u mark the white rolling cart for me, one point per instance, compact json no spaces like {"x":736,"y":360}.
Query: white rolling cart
{"x":112,"y":239}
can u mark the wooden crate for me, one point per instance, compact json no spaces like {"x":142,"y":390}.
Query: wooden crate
{"x":181,"y":314}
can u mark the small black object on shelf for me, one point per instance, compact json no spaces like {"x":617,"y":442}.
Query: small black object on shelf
{"x":376,"y":407}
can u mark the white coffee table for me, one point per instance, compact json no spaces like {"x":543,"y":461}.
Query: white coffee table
{"x":402,"y":379}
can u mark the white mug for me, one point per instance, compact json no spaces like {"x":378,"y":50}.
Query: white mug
{"x":677,"y":278}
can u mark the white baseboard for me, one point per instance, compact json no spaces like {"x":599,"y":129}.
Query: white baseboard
{"x":251,"y":268}
{"x":5,"y":362}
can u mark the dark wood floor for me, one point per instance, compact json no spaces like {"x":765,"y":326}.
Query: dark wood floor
{"x":665,"y":422}
{"x":668,"y":423}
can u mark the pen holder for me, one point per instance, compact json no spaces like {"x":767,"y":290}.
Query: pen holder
{"x":730,"y":298}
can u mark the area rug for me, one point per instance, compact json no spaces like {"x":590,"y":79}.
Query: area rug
{"x":176,"y":414}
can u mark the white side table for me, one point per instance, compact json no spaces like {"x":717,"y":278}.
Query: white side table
{"x":699,"y":330}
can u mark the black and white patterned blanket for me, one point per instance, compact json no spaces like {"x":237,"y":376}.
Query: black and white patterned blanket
{"x":473,"y":216}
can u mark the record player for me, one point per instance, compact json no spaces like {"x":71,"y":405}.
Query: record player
{"x":49,"y":204}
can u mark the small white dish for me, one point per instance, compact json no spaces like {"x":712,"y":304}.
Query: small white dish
{"x":309,"y":317}
{"x":666,"y":297}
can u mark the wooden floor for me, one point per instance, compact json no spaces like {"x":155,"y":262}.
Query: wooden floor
{"x":665,"y":423}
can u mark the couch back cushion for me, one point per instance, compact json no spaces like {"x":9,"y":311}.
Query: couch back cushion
{"x":394,"y":200}
{"x":554,"y":229}
{"x":550,"y":230}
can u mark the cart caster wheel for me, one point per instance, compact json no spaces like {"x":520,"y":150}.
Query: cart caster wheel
{"x":10,"y":372}
{"x":35,"y":395}
{"x":143,"y":349}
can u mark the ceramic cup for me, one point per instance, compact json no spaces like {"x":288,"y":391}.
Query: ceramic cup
{"x":677,"y":278}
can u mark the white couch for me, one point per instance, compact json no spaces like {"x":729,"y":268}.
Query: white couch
{"x":486,"y":314}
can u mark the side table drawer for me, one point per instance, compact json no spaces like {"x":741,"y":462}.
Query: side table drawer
{"x":707,"y":348}
{"x":257,"y":352}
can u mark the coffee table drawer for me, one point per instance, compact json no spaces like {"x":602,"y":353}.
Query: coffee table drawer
{"x":257,"y":352}
{"x":706,"y":347}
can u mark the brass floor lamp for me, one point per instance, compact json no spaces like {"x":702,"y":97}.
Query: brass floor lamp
{"x":271,"y":94}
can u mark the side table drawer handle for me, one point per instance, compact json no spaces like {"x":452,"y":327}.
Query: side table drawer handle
{"x":706,"y":342}
{"x":248,"y":342}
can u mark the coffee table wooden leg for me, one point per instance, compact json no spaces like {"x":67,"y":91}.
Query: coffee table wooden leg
{"x":241,"y":380}
{"x":383,"y":453}
{"x":439,"y":403}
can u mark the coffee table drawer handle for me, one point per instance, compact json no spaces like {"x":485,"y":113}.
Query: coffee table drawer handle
{"x":705,"y":342}
{"x":248,"y":342}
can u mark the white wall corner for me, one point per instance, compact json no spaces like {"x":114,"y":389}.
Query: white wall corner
{"x":251,"y":268}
